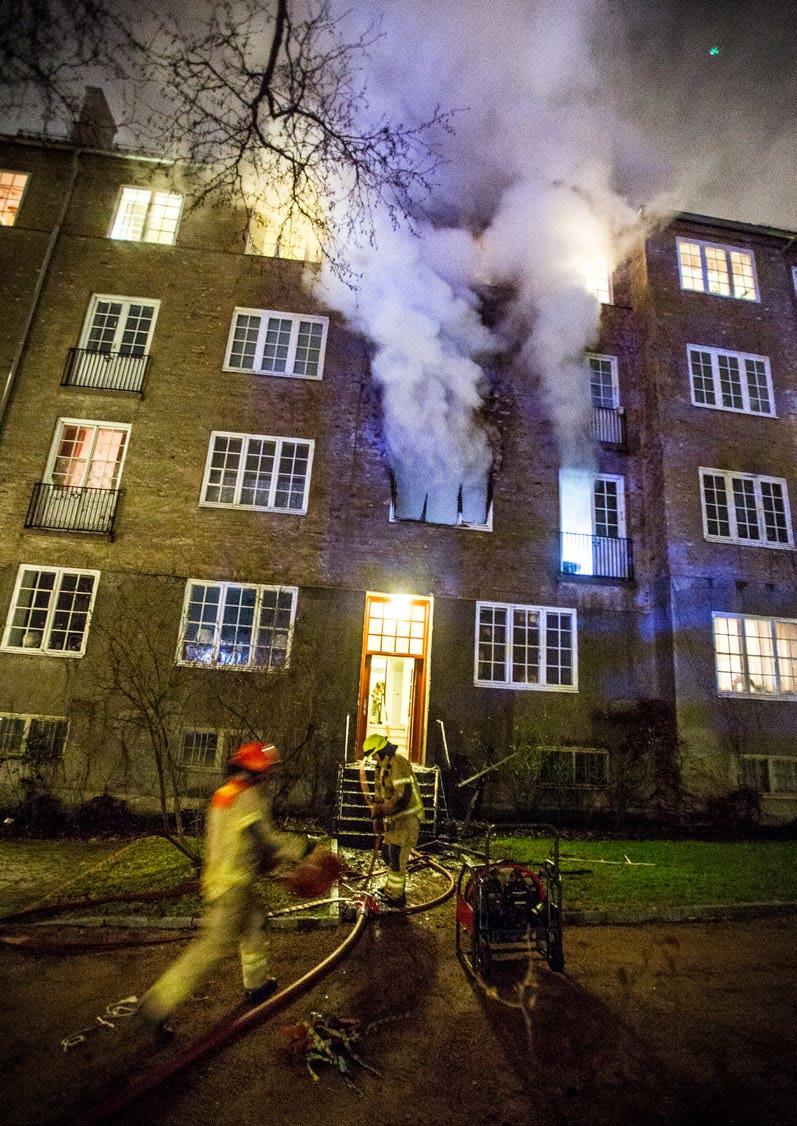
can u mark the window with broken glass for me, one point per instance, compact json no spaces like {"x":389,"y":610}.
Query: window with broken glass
{"x":755,"y":656}
{"x":525,"y":647}
{"x":258,"y":471}
{"x":274,"y":343}
{"x":724,"y":271}
{"x":745,"y":508}
{"x":730,"y":381}
{"x":236,"y":625}
{"x":50,"y":611}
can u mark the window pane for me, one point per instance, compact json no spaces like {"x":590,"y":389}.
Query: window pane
{"x":74,"y":451}
{"x":607,"y":509}
{"x":776,"y":526}
{"x":201,"y":619}
{"x":691,"y":267}
{"x":103,"y":326}
{"x":760,"y":656}
{"x":237,"y":625}
{"x":32,"y":607}
{"x":755,"y":773}
{"x":277,"y":344}
{"x":728,"y":655}
{"x":131,"y":214}
{"x":602,"y":382}
{"x":716,"y":502}
{"x":70,"y":618}
{"x":717,"y":271}
{"x":135,"y":335}
{"x":199,"y":748}
{"x":558,"y":648}
{"x":757,"y":386}
{"x":783,"y":774}
{"x":308,"y":349}
{"x":12,"y":731}
{"x":786,"y":649}
{"x":48,"y":735}
{"x":744,"y":507}
{"x":730,"y":381}
{"x":702,"y":377}
{"x":12,"y":185}
{"x":292,"y":476}
{"x":258,"y":472}
{"x":244,"y":342}
{"x":274,"y":628}
{"x":223,"y":474}
{"x":106,"y":458}
{"x":525,"y":646}
{"x":163,"y":217}
{"x":590,"y":768}
{"x":743,"y":275}
{"x":491,"y":647}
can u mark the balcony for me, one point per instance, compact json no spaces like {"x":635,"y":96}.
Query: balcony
{"x":608,"y":426}
{"x":62,"y":508}
{"x":599,"y":557}
{"x":105,"y":371}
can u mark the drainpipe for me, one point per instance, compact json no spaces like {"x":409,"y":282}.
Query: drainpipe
{"x":44,"y":270}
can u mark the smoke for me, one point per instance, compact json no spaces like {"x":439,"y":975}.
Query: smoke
{"x":526,"y":197}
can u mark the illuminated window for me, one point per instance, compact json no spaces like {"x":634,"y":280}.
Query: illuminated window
{"x":598,"y":282}
{"x":12,"y":189}
{"x":725,"y":271}
{"x":769,"y":775}
{"x":730,"y":381}
{"x":236,"y":626}
{"x":50,"y":611}
{"x":396,"y":626}
{"x":592,"y":513}
{"x":755,"y":656}
{"x":201,"y":749}
{"x":277,"y":343}
{"x":143,"y":215}
{"x":743,"y":508}
{"x":603,"y":382}
{"x":87,"y":454}
{"x":525,"y":647}
{"x":258,"y":471}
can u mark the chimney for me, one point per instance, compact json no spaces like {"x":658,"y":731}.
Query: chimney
{"x":95,"y":128}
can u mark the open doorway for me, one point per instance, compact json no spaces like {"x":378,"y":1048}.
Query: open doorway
{"x":393,"y":679}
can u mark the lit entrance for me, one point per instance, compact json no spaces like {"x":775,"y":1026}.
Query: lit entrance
{"x":393,"y":678}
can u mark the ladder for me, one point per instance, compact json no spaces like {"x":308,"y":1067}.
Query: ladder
{"x":353,"y":824}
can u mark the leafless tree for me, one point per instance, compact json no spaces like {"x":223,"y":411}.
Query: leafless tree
{"x":270,"y":99}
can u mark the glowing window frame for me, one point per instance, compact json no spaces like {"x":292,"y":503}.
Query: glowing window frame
{"x":727,"y":250}
{"x":744,"y":656}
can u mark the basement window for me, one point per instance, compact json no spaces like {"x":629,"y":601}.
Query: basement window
{"x":236,"y":625}
{"x":724,"y":271}
{"x":730,"y":381}
{"x":525,"y":647}
{"x":769,"y":774}
{"x":755,"y":656}
{"x":273,"y":343}
{"x":12,"y":189}
{"x":18,"y":732}
{"x":566,"y":766}
{"x":744,"y":508}
{"x":50,"y":611}
{"x":143,"y":215}
{"x":202,"y":749}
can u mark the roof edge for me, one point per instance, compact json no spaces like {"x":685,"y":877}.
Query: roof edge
{"x":732,"y":225}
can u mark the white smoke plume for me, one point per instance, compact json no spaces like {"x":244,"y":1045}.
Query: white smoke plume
{"x":525,"y":197}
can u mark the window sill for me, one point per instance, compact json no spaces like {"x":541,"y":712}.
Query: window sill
{"x":782,"y":697}
{"x":19,"y":651}
{"x":734,"y":410}
{"x":749,"y":543}
{"x":253,"y":508}
{"x":275,"y":374}
{"x":525,"y":687}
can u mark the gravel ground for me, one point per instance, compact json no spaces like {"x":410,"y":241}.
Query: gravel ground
{"x":659,"y":1024}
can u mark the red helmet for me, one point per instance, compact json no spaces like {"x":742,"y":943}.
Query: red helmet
{"x":257,"y":757}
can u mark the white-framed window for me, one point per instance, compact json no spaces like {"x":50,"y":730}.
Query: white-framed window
{"x":202,"y":749}
{"x":769,"y":774}
{"x":593,"y":531}
{"x":598,"y":282}
{"x":725,"y":271}
{"x":525,"y":647}
{"x":87,"y":454}
{"x":122,"y":325}
{"x":730,"y":381}
{"x":50,"y":611}
{"x":603,"y":383}
{"x":572,"y":766}
{"x":258,"y":471}
{"x":146,"y":215}
{"x":745,"y":508}
{"x":274,"y":343}
{"x":12,"y":189}
{"x":755,"y":656}
{"x":236,"y":625}
{"x":17,"y":732}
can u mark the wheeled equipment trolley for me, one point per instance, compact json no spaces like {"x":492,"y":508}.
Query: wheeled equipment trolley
{"x":507,"y":908}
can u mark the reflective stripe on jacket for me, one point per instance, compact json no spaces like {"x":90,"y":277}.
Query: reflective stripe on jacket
{"x":392,"y":774}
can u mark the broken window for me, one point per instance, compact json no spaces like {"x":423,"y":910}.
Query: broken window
{"x":465,"y":505}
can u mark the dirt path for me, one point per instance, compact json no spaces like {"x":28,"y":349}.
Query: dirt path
{"x":668,"y":1024}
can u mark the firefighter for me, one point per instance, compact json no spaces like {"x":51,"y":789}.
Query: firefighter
{"x":240,"y":842}
{"x":397,"y":802}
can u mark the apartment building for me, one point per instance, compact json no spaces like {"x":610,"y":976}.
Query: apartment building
{"x":195,"y":506}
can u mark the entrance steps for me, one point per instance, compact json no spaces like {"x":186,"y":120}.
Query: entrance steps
{"x":353,"y":824}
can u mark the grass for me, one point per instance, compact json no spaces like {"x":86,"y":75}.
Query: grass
{"x":663,"y":873}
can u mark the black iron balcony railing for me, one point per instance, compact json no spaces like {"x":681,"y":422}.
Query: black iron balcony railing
{"x":603,"y":557}
{"x":62,"y":508}
{"x":608,"y":426}
{"x":109,"y":371}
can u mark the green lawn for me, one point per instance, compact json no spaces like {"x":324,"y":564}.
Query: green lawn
{"x":662,"y":873}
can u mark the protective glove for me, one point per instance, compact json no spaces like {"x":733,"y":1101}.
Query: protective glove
{"x":316,"y":874}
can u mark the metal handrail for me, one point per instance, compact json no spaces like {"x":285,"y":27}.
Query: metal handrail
{"x":64,"y":508}
{"x":107,"y":371}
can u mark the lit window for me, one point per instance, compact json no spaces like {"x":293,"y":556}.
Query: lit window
{"x":258,"y":471}
{"x":12,"y":189}
{"x":525,"y":647}
{"x":755,"y":656}
{"x":277,"y":343}
{"x":87,"y":454}
{"x":598,"y":282}
{"x":603,"y":382}
{"x":50,"y":611}
{"x":592,"y":511}
{"x":769,"y":775}
{"x":725,"y":271}
{"x":743,"y":508}
{"x":236,"y":626}
{"x":147,"y":216}
{"x":730,"y":381}
{"x":201,"y":749}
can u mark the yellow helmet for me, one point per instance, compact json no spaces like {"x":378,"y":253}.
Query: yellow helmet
{"x":374,"y":744}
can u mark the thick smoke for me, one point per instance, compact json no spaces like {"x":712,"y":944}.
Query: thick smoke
{"x":525,"y":197}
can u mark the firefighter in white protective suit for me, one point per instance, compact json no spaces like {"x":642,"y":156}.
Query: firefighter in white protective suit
{"x":240,"y":842}
{"x":397,"y":803}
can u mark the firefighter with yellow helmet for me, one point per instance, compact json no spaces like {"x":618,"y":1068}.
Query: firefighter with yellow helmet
{"x":240,"y":842}
{"x":397,"y":802}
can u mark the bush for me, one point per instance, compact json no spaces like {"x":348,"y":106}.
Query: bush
{"x":104,"y":814}
{"x":40,"y":815}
